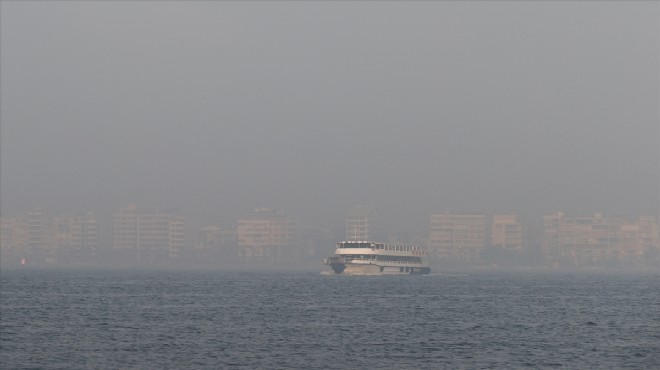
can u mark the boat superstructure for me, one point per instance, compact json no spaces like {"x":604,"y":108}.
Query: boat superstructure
{"x":372,"y":258}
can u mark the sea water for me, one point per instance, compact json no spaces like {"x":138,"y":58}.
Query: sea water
{"x":304,"y":320}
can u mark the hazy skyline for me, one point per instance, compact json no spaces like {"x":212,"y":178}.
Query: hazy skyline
{"x":411,"y":108}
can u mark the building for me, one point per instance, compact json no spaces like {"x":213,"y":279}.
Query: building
{"x":598,"y":240}
{"x":215,"y":246}
{"x":580,"y":241}
{"x":13,"y":240}
{"x":638,"y":240}
{"x":649,"y":232}
{"x":150,"y":236}
{"x":266,"y":236}
{"x":506,"y":232}
{"x":76,"y":238}
{"x":358,"y":223}
{"x":554,"y":230}
{"x":39,"y":237}
{"x":458,"y":236}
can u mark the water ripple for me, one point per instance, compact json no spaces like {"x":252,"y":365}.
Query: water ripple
{"x":211,"y":320}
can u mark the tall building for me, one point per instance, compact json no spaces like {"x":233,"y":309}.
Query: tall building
{"x":460,"y":236}
{"x":265,"y":236}
{"x":506,"y":232}
{"x":148,"y":236}
{"x":358,"y":224}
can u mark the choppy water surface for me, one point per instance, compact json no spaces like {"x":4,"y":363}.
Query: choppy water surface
{"x":116,"y":319}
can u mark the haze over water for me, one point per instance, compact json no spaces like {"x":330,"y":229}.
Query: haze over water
{"x":216,"y":108}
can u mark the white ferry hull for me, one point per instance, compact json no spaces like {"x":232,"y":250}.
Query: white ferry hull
{"x":361,"y":270}
{"x":351,"y":269}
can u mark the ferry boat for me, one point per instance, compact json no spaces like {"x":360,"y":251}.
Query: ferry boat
{"x":371,"y":258}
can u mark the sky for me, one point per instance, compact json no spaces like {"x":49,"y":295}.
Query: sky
{"x":411,"y":108}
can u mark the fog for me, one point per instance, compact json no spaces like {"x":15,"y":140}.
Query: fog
{"x":216,"y":108}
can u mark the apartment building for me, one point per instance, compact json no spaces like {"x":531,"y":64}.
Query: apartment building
{"x":358,"y":223}
{"x":506,"y":232}
{"x":266,"y":236}
{"x":461,"y":236}
{"x":598,"y":240}
{"x":76,"y":238}
{"x":41,"y":241}
{"x":215,"y":246}
{"x":148,"y":235}
{"x":40,"y":237}
{"x":13,"y":240}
